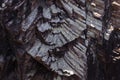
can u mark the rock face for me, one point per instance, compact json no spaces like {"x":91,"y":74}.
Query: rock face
{"x":57,"y":39}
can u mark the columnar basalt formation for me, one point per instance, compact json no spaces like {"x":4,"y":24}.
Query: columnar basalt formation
{"x":57,"y":39}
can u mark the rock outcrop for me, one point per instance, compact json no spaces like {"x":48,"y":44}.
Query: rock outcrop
{"x":57,"y":39}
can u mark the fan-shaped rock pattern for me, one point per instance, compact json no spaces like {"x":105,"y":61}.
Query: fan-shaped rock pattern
{"x":57,"y":34}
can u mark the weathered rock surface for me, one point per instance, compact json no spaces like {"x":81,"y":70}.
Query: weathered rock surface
{"x":57,"y":39}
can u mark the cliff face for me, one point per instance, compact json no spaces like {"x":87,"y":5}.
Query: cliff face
{"x":58,"y":39}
